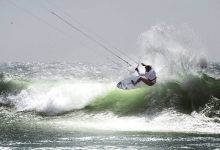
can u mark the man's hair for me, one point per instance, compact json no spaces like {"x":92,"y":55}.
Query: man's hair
{"x":148,"y":67}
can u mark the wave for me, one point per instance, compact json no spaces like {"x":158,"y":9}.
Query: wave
{"x":196,"y":93}
{"x":193,"y":94}
{"x":50,"y":97}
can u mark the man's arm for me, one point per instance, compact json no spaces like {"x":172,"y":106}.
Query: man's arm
{"x":140,"y":74}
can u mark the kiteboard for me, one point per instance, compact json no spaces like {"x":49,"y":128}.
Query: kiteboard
{"x":127,"y":85}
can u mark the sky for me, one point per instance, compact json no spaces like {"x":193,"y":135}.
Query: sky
{"x":29,"y":32}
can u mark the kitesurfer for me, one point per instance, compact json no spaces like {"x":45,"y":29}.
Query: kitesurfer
{"x":149,"y":77}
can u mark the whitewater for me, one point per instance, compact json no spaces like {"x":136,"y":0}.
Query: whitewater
{"x":76,"y":105}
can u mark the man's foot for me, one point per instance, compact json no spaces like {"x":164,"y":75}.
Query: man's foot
{"x":132,"y":82}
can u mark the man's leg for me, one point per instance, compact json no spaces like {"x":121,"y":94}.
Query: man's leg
{"x":138,"y":80}
{"x":144,"y":80}
{"x":147,"y":82}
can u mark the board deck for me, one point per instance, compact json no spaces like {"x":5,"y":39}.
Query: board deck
{"x":127,"y":85}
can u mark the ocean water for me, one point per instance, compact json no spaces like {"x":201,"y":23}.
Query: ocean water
{"x":63,"y":105}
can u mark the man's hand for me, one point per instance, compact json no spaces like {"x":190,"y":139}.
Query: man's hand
{"x":137,"y":69}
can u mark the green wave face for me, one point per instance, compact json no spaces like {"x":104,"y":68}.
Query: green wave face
{"x":193,"y":94}
{"x":121,"y":102}
{"x":11,"y":84}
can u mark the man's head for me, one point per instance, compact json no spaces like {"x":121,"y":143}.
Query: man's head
{"x":148,"y":68}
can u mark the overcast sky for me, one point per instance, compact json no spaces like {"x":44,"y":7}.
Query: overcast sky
{"x":27,"y":31}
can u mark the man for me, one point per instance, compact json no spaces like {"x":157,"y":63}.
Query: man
{"x":149,"y":76}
